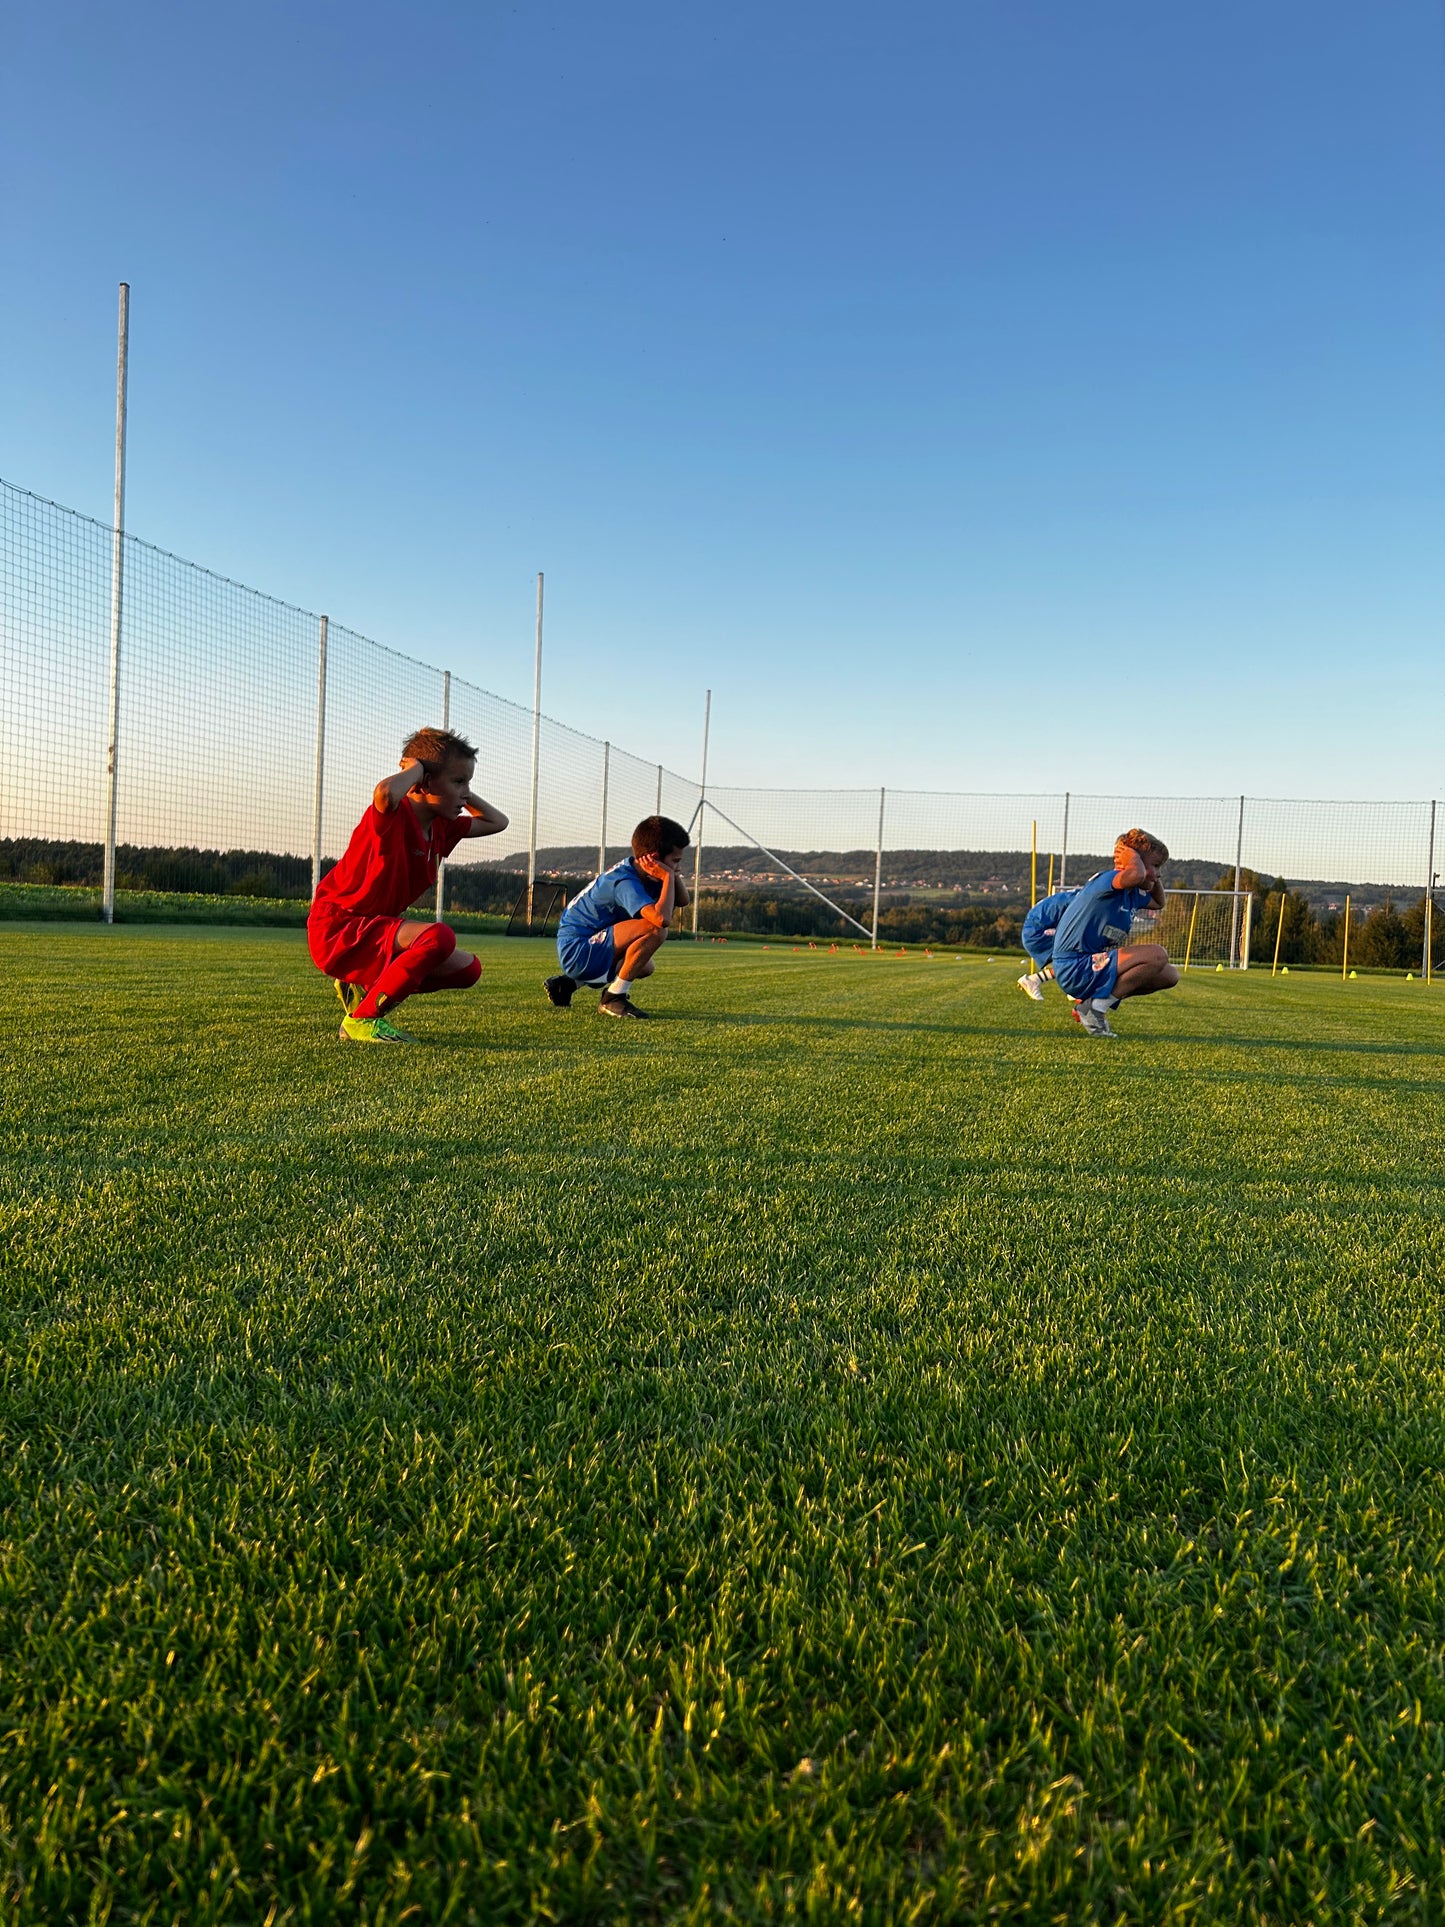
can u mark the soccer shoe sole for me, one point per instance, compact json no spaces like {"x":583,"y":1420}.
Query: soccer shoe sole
{"x":559,"y":991}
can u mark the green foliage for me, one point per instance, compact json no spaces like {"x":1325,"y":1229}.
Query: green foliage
{"x":852,"y":1448}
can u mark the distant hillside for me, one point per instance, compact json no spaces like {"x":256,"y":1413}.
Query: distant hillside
{"x":974,"y":876}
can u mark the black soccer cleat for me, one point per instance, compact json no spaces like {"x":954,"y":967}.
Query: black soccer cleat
{"x":610,"y":1006}
{"x":559,"y":991}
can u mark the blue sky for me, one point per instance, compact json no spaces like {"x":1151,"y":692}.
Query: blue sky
{"x":993,"y":394}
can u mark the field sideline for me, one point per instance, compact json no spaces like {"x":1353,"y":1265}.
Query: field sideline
{"x":853,"y":1449}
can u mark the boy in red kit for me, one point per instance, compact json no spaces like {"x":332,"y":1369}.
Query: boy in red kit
{"x":356,"y":931}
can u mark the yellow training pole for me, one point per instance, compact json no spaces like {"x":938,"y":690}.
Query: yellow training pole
{"x":1050,"y":889}
{"x":1189,"y":941}
{"x":1429,"y":936}
{"x":1034,"y":867}
{"x":1345,"y":960}
{"x":1279,"y":928}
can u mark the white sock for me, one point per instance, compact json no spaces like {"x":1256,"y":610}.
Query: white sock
{"x":1106,"y":1004}
{"x":619,"y":987}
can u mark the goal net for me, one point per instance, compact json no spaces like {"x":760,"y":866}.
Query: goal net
{"x":1199,"y":927}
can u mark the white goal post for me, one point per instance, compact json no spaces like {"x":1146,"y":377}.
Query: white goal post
{"x":1199,"y":927}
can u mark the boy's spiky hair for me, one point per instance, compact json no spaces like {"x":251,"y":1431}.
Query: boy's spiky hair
{"x":658,"y":836}
{"x":434,"y":747}
{"x":1145,"y":844}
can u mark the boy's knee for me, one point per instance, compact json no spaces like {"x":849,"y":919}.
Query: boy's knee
{"x":470,"y":972}
{"x":1169,"y":976}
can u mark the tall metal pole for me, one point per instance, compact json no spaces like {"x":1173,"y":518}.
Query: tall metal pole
{"x":320,"y":758}
{"x":659,"y":789}
{"x":1034,"y":866}
{"x":1427,"y":962}
{"x":446,"y":724}
{"x":1064,"y":852}
{"x":536,"y":751}
{"x":602,"y":831}
{"x":878,"y":866}
{"x":117,"y":577}
{"x":1238,"y":887}
{"x":701,"y":801}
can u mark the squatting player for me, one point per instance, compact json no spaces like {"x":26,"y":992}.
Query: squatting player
{"x":1040,"y":926}
{"x":356,"y":931}
{"x":1089,"y":966}
{"x":610,"y":932}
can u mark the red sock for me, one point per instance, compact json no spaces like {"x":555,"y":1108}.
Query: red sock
{"x":452,"y":979}
{"x":408,"y":970}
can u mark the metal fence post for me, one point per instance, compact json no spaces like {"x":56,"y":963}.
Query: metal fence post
{"x":659,"y":789}
{"x":878,"y":866}
{"x":117,"y":578}
{"x":536,"y":752}
{"x":446,"y":724}
{"x":1064,"y":851}
{"x":1248,"y":927}
{"x":1234,"y":962}
{"x":1427,"y":962}
{"x":602,"y":831}
{"x":320,"y":758}
{"x":701,"y":807}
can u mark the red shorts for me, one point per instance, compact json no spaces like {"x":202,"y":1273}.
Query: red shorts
{"x":355,"y":949}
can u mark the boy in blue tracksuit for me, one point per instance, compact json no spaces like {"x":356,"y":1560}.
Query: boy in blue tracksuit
{"x":1038,"y":933}
{"x":1090,"y":966}
{"x":610,"y":932}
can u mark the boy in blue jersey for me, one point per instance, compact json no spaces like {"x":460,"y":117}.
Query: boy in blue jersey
{"x":610,"y":932}
{"x":1089,"y":965}
{"x":1038,"y":933}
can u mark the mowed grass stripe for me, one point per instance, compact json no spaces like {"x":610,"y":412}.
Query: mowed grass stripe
{"x":853,"y":1448}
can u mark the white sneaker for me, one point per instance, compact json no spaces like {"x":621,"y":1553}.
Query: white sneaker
{"x":1030,"y":985}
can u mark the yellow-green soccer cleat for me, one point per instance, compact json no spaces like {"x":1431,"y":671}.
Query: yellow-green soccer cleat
{"x":372,"y":1030}
{"x":348,"y":995}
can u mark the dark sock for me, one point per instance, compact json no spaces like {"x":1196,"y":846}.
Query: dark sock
{"x":408,"y":970}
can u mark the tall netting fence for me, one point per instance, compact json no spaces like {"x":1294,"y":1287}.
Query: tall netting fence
{"x":250,"y":733}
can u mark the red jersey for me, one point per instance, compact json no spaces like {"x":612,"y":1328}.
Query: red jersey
{"x":390,"y":860}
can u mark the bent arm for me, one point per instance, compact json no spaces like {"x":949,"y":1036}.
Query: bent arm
{"x":487,"y":819}
{"x":391,"y":789}
{"x":1134,"y":873}
{"x":659,"y":914}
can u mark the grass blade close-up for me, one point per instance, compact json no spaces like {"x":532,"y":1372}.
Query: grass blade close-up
{"x":852,"y":1449}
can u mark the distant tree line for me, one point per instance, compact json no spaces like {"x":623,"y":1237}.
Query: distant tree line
{"x":1388,"y":936}
{"x":226,"y":873}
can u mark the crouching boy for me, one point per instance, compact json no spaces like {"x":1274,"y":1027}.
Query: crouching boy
{"x":1040,"y":928}
{"x":610,"y":932}
{"x":1089,"y":965}
{"x":356,"y":931}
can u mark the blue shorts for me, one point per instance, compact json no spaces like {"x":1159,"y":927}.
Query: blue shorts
{"x":588,"y":959}
{"x":1082,"y":974}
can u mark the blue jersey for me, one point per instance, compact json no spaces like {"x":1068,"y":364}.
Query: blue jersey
{"x":1099,"y":918}
{"x":619,"y":895}
{"x":1042,"y":921}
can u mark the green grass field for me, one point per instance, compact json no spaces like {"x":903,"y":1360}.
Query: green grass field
{"x":853,"y":1449}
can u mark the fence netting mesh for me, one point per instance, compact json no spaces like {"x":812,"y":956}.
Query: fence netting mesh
{"x":217,"y":779}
